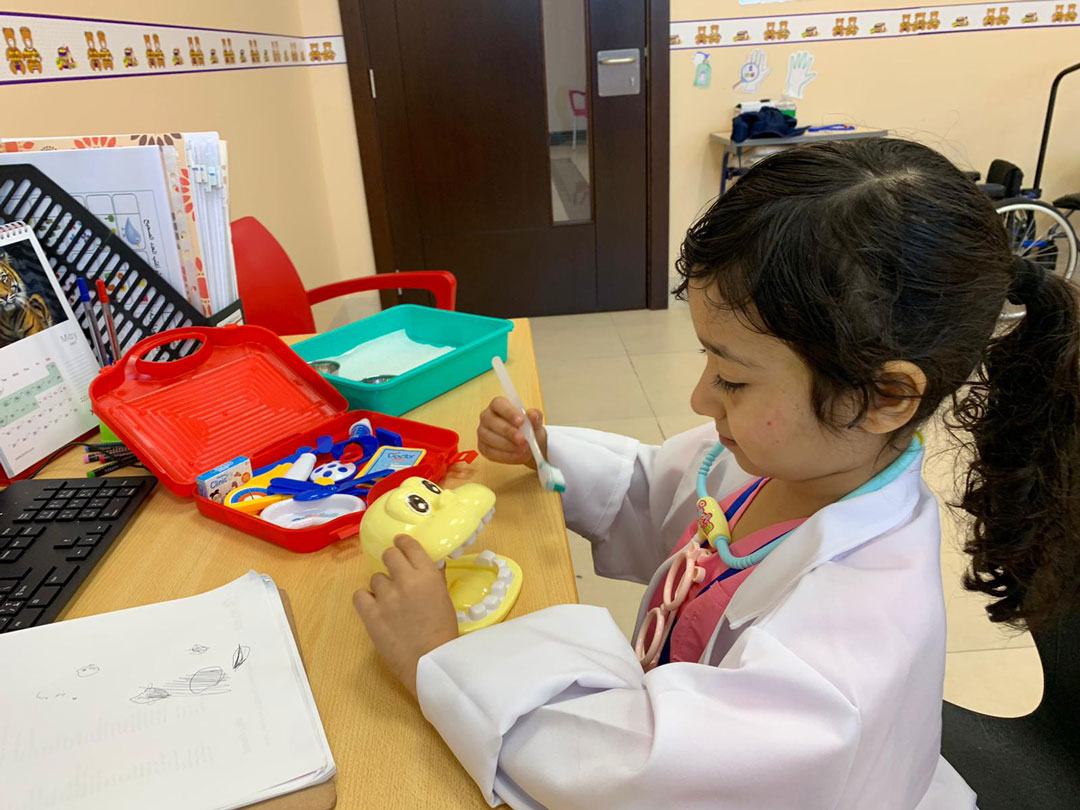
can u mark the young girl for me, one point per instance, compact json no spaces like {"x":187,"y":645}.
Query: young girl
{"x":841,"y":292}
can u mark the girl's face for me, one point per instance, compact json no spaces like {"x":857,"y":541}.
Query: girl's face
{"x":757,"y":390}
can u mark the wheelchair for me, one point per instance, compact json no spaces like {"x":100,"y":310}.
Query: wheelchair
{"x":1037,"y":230}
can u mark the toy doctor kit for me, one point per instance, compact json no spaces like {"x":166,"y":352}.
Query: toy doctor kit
{"x":484,"y":586}
{"x":316,"y":485}
{"x":241,"y":392}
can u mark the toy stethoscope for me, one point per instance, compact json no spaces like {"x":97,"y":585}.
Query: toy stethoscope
{"x":713,"y":525}
{"x":714,"y":536}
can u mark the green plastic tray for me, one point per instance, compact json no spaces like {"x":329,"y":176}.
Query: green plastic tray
{"x":475,"y":338}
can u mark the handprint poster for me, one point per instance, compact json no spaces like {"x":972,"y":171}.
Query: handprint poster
{"x":753,"y":72}
{"x":800,"y":74}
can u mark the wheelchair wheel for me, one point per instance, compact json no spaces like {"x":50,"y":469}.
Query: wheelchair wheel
{"x":1038,"y":232}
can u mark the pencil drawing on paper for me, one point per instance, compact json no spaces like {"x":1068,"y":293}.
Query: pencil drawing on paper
{"x":198,"y":649}
{"x":206,"y":681}
{"x":240,"y":655}
{"x":88,"y":670}
{"x":150,"y":694}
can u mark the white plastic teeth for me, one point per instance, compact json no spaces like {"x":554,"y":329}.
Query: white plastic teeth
{"x":456,"y":553}
{"x":440,"y":563}
{"x":488,"y":517}
{"x":490,"y":603}
{"x":505,"y":575}
{"x":472,"y":538}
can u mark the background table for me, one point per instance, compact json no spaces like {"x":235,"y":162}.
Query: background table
{"x":386,"y":753}
{"x":729,"y":147}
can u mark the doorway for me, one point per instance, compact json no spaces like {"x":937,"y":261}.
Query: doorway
{"x":521,"y":145}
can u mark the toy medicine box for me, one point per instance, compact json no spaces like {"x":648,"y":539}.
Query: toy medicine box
{"x":244,"y":392}
{"x":220,"y":481}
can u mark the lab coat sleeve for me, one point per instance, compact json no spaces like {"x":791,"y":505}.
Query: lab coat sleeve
{"x":553,"y":710}
{"x":619,"y":492}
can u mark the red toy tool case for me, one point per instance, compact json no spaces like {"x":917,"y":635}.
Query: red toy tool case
{"x":243,"y":392}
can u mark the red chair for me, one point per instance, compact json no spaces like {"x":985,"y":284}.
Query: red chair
{"x":578,"y":109}
{"x":274,"y":296}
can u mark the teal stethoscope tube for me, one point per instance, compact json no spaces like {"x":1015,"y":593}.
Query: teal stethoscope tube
{"x":883,"y":478}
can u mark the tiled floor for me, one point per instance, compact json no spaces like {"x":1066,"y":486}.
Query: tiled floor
{"x":632,"y":372}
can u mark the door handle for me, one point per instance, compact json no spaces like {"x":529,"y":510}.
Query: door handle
{"x":618,"y":72}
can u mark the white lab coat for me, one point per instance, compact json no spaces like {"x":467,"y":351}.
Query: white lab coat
{"x":821,"y":688}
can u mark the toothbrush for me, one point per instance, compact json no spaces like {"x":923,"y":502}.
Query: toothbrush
{"x":551,"y":477}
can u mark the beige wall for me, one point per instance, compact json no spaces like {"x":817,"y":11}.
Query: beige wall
{"x":292,"y":143}
{"x":331,"y":100}
{"x":974,"y":96}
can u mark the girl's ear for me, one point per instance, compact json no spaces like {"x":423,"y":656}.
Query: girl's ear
{"x":900,"y":386}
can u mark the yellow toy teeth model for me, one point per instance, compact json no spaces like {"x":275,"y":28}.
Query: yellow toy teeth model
{"x":484,"y":586}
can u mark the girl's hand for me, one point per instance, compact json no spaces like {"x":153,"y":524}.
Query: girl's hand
{"x":499,"y":436}
{"x":409,"y":613}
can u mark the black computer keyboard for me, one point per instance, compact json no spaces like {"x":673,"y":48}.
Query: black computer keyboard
{"x":52,"y":534}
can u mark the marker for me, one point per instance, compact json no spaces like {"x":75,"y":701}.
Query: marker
{"x":104,"y":457}
{"x":106,"y":307}
{"x":111,"y":467}
{"x":88,"y":311}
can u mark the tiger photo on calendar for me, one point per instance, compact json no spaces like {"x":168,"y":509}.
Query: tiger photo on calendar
{"x":28,"y":304}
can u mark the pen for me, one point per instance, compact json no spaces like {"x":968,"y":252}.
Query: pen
{"x":88,"y":311}
{"x":106,"y":307}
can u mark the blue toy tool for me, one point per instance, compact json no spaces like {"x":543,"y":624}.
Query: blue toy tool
{"x":387,"y":438}
{"x":308,"y":491}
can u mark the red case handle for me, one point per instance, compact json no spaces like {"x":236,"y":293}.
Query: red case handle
{"x":169,"y":368}
{"x":464,"y":457}
{"x":347,"y":531}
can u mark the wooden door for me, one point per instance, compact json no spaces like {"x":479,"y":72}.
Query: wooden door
{"x":480,"y":162}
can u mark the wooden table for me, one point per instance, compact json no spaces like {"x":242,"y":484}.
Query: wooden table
{"x":729,"y":147}
{"x":386,"y":753}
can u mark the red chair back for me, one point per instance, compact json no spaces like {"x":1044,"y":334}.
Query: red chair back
{"x":269,"y":285}
{"x":577,"y":102}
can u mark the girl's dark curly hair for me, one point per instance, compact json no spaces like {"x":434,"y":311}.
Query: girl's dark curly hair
{"x":863,"y":251}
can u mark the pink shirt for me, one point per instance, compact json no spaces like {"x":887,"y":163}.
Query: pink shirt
{"x":697,"y":617}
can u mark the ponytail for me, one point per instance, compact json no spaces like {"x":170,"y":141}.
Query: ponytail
{"x":1023,"y":488}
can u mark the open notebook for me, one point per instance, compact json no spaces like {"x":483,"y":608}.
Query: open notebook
{"x":200,"y":703}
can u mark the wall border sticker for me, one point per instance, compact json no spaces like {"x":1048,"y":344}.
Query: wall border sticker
{"x":779,"y":29}
{"x":50,"y":48}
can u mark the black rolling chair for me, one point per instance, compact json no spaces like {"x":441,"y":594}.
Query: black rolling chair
{"x":1031,"y":762}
